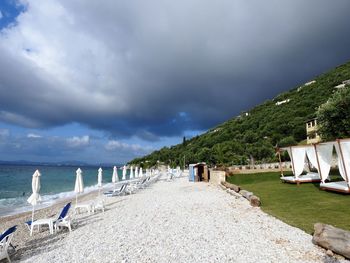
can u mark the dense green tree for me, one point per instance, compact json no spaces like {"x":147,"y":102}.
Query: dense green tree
{"x":334,"y":116}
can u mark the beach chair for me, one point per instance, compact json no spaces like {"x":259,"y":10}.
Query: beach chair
{"x":63,"y":219}
{"x":98,"y":204}
{"x":143,"y":183}
{"x":5,"y":242}
{"x":119,"y":192}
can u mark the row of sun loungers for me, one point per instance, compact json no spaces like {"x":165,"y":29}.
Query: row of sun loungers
{"x":63,"y":220}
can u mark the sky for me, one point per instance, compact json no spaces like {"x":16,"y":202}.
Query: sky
{"x":108,"y":81}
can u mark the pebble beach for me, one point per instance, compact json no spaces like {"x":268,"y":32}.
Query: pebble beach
{"x":170,"y":221}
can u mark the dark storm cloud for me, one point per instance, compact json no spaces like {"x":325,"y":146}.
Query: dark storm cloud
{"x":155,"y":69}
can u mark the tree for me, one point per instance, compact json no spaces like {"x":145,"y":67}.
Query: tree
{"x":334,"y":116}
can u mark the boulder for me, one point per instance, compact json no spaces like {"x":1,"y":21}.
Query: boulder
{"x":246,"y":194}
{"x":233,"y":187}
{"x":255,"y":201}
{"x":332,"y":238}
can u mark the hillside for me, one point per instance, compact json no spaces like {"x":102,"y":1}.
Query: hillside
{"x":255,"y":133}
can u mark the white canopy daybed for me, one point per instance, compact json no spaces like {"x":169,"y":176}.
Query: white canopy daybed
{"x":298,"y":156}
{"x":324,"y":154}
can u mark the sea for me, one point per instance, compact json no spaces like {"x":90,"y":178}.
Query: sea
{"x":57,"y":183}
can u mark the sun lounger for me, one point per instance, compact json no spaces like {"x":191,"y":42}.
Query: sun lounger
{"x":305,"y":178}
{"x":119,"y":192}
{"x":341,"y":187}
{"x":98,"y":205}
{"x":63,"y":219}
{"x":5,"y":242}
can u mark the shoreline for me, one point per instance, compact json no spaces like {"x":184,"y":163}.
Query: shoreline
{"x":23,"y":241}
{"x":166,"y":222}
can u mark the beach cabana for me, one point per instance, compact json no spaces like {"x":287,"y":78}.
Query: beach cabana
{"x":324,"y":154}
{"x":199,"y":172}
{"x":299,"y":155}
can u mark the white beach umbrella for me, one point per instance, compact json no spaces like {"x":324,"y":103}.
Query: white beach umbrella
{"x":79,"y":184}
{"x":115,"y":177}
{"x":132,"y":172}
{"x":136,"y":172}
{"x":99,"y":180}
{"x":124,"y":172}
{"x":35,"y":197}
{"x":140,"y":172}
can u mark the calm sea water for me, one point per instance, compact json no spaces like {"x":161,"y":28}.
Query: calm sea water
{"x":57,"y":182}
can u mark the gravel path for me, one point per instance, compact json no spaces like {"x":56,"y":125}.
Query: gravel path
{"x":178,"y":221}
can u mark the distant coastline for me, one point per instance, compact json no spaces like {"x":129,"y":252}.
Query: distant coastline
{"x":63,"y":163}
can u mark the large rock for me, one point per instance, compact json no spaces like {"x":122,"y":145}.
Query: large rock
{"x":332,"y":238}
{"x":246,"y":194}
{"x":255,"y":201}
{"x":233,"y":187}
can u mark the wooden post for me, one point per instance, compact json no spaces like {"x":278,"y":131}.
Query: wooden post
{"x":342,"y":158}
{"x":279,"y":157}
{"x":318,"y":162}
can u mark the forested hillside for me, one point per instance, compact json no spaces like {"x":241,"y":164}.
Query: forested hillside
{"x":255,"y":133}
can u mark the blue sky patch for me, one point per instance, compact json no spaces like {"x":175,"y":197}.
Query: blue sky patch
{"x":9,"y":10}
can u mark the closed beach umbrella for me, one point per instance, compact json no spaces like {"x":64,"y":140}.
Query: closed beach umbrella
{"x":140,"y":172}
{"x":131,"y":172}
{"x":115,"y":177}
{"x":136,"y":172}
{"x":79,"y":184}
{"x":35,"y":197}
{"x":124,"y":172}
{"x":99,"y":179}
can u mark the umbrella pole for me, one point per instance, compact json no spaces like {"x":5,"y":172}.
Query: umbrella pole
{"x":33,"y":214}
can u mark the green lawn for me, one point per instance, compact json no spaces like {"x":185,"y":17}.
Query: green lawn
{"x":301,"y":206}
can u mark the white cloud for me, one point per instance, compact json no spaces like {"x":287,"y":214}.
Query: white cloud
{"x":33,"y":135}
{"x":78,"y":141}
{"x":1,"y":16}
{"x":114,"y":145}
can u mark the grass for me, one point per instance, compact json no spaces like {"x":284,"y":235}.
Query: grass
{"x":300,"y":206}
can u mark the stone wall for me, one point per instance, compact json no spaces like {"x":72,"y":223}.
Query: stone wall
{"x":216,"y":177}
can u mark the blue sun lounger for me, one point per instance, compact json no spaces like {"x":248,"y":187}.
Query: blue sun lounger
{"x":5,"y":242}
{"x":62,"y":220}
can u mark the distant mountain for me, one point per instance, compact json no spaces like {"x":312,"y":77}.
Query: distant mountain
{"x":63,"y":163}
{"x":254,"y":133}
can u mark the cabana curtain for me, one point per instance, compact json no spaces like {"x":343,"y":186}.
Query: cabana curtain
{"x":311,"y":154}
{"x":345,"y":150}
{"x":298,"y":159}
{"x":324,"y":152}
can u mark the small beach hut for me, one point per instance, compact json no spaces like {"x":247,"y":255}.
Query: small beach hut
{"x":199,"y":172}
{"x":299,"y":156}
